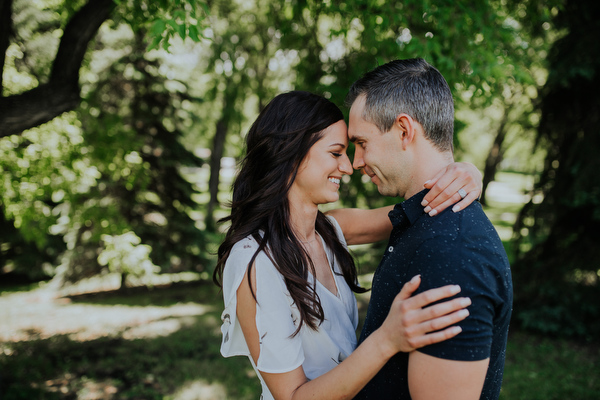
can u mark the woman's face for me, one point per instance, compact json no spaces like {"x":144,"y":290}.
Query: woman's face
{"x":320,"y":173}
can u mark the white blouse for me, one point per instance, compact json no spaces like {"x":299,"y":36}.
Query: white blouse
{"x":276,"y":318}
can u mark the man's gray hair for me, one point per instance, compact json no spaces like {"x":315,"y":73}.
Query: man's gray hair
{"x":413,"y":87}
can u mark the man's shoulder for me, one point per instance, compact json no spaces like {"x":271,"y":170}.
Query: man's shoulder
{"x":467,"y":231}
{"x":448,"y":222}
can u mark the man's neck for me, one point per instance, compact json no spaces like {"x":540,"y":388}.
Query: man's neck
{"x":429,"y":162}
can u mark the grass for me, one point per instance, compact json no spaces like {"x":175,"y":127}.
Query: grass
{"x":161,"y":354}
{"x":112,"y":367}
{"x":186,"y":364}
{"x":551,"y":369}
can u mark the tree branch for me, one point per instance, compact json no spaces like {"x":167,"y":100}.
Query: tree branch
{"x":5,"y":32}
{"x":62,"y":92}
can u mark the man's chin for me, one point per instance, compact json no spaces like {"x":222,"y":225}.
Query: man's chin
{"x":386,"y":191}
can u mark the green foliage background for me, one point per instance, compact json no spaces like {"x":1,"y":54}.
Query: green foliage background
{"x":169,"y":88}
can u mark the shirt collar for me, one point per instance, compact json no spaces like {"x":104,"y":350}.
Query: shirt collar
{"x":411,"y":209}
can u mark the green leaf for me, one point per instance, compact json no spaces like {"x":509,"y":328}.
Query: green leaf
{"x":158,"y":27}
{"x":193,"y":33}
{"x":181,"y":29}
{"x":154,"y":43}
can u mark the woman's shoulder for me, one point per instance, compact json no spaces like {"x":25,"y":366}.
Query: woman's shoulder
{"x":338,"y":229}
{"x":242,"y":254}
{"x":246,"y":244}
{"x":243,"y":250}
{"x":246,"y":250}
{"x":238,"y":260}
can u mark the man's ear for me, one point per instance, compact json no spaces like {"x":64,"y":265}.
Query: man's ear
{"x":406,"y":126}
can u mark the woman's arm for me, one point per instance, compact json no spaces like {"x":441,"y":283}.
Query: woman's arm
{"x":369,"y":226}
{"x":363,"y":226}
{"x":408,"y":326}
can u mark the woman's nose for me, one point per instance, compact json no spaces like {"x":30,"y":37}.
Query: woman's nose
{"x":345,"y":167}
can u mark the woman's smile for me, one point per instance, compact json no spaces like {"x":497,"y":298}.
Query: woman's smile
{"x":334,"y":180}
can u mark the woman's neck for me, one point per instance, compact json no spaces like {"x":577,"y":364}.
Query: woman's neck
{"x":303,"y":218}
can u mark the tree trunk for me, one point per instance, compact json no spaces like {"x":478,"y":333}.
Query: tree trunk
{"x":61,"y":93}
{"x":495,"y":155}
{"x":218,"y":146}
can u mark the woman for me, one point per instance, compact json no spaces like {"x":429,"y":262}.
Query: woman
{"x":286,"y":273}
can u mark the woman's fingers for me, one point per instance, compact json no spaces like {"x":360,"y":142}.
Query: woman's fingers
{"x":451,"y":195}
{"x":445,"y":186}
{"x":439,"y":182}
{"x":432,"y":295}
{"x":415,"y":322}
{"x":409,"y":288}
{"x":442,"y":309}
{"x":432,"y":329}
{"x":461,"y":205}
{"x":438,"y":336}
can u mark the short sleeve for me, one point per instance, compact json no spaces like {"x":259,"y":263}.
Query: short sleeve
{"x":338,"y":230}
{"x":440,"y":266}
{"x":276,"y":317}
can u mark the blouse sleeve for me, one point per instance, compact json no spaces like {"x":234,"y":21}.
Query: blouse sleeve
{"x":276,"y":317}
{"x":338,"y":230}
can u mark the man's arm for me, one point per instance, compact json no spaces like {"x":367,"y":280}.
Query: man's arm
{"x":433,"y":378}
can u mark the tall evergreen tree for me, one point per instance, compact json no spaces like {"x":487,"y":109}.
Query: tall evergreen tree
{"x":132,"y":128}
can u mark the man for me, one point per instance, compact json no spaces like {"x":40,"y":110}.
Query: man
{"x":401,"y":122}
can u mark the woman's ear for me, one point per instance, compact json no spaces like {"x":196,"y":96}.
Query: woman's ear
{"x":406,"y":126}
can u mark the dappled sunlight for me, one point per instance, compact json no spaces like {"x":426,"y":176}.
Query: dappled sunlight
{"x":40,"y":314}
{"x":88,"y":389}
{"x":139,"y":342}
{"x":505,"y":197}
{"x":201,"y":390}
{"x":507,"y":192}
{"x":112,"y":281}
{"x":158,"y":328}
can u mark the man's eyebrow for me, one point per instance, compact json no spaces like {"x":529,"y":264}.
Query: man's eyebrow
{"x":353,"y":138}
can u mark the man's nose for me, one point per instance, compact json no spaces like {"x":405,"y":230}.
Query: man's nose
{"x":358,"y":162}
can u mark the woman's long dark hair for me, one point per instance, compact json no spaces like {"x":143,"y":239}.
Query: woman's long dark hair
{"x":276,"y":144}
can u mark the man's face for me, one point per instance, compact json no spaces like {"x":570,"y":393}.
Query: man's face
{"x":378,"y":154}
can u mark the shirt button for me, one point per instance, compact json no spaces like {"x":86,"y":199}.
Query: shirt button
{"x":390,"y":249}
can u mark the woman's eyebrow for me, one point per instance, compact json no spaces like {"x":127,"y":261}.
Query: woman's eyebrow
{"x":338,"y":144}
